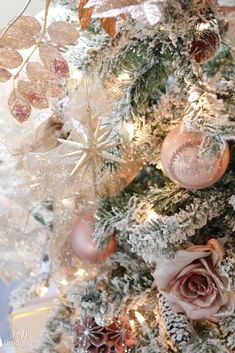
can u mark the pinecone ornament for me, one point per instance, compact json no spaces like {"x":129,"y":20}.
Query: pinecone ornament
{"x":92,"y":338}
{"x":177,"y":325}
{"x":204,"y":46}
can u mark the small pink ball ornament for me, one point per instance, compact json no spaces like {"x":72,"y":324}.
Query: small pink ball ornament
{"x":83,"y":244}
{"x":181,"y":162}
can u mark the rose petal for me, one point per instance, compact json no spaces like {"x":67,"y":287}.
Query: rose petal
{"x":218,"y":251}
{"x":192,"y":284}
{"x":214,"y":246}
{"x":192,"y":311}
{"x":63,"y":33}
{"x":187,"y":290}
{"x":202,"y":285}
{"x":194,"y":267}
{"x":10,"y":58}
{"x":219,"y":284}
{"x":177,"y":288}
{"x":167,"y":269}
{"x":206,"y":301}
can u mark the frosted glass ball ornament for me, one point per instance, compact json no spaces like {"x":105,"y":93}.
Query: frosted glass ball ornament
{"x":83,"y":244}
{"x":182,"y":163}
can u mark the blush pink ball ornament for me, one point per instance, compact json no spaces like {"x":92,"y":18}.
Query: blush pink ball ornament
{"x":83,"y":244}
{"x":180,"y":160}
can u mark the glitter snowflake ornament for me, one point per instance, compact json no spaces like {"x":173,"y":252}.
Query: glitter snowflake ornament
{"x":91,"y":146}
{"x":92,"y":338}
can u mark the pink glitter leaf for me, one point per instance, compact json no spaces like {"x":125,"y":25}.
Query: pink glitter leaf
{"x":10,"y":58}
{"x":4,"y":75}
{"x":54,"y":61}
{"x":36,"y":72}
{"x":28,"y":24}
{"x":60,"y":67}
{"x":63,"y":33}
{"x":19,"y":106}
{"x":16,"y":38}
{"x":55,"y":88}
{"x":45,"y":79}
{"x":35,"y":95}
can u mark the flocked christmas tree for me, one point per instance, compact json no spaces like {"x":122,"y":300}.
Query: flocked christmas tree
{"x":120,"y":123}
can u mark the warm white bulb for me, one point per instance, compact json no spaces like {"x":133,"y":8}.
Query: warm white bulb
{"x":132,"y":323}
{"x":81,"y":272}
{"x":124,"y":77}
{"x":152,"y":215}
{"x":139,"y":317}
{"x":130,"y":128}
{"x":42,"y":291}
{"x":64,"y":282}
{"x":193,"y":97}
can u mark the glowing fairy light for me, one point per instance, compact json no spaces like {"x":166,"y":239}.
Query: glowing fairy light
{"x":42,"y":291}
{"x":139,"y":317}
{"x":132,"y":324}
{"x":130,"y":128}
{"x":152,"y":215}
{"x":124,"y":77}
{"x":81,"y":272}
{"x":193,"y":97}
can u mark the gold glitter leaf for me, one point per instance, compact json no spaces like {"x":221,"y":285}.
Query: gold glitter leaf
{"x":63,"y":33}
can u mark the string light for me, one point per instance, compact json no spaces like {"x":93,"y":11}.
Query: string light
{"x":193,"y":97}
{"x":64,"y":282}
{"x":152,"y":215}
{"x":41,"y":291}
{"x":124,"y":77}
{"x":143,"y":323}
{"x":130,"y":128}
{"x":132,"y":324}
{"x":81,"y":272}
{"x":139,"y":317}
